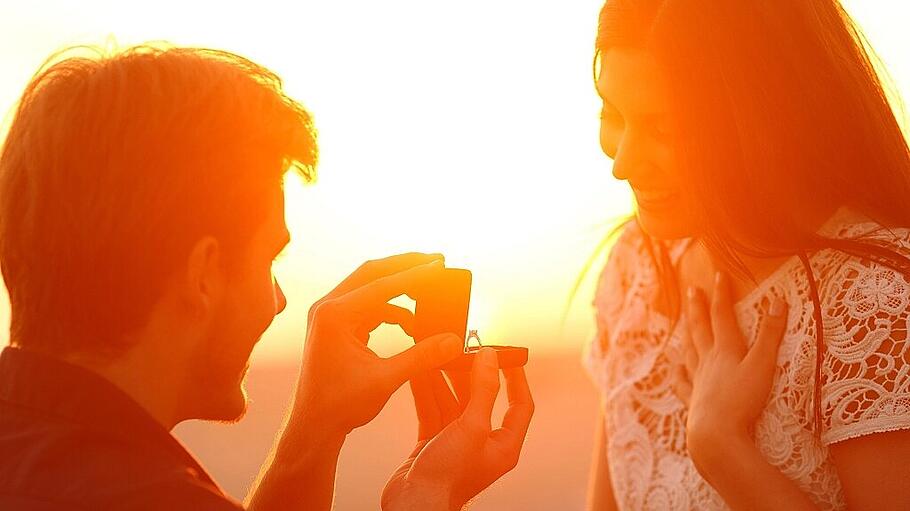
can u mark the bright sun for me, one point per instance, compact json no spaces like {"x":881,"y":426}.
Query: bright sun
{"x":467,"y":128}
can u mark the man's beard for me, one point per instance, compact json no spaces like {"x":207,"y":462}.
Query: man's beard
{"x":216,"y":381}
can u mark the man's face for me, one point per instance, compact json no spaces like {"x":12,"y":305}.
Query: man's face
{"x":252,"y":298}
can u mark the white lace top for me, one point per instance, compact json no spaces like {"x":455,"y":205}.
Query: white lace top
{"x":865,"y":373}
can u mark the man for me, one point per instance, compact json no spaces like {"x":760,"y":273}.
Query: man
{"x":140,"y":212}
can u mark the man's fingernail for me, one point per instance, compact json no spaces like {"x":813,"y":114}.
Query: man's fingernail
{"x":778,"y":306}
{"x":451,"y":345}
{"x":690,"y":292}
{"x":488,"y":357}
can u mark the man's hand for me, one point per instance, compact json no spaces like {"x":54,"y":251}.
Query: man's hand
{"x":458,"y":454}
{"x":343,"y":384}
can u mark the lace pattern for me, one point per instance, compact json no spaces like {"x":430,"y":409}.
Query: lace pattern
{"x":865,"y":372}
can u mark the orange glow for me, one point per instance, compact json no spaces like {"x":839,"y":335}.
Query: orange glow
{"x":469,"y":130}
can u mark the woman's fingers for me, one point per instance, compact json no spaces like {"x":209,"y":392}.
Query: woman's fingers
{"x":690,"y":355}
{"x":763,"y":355}
{"x":684,"y":373}
{"x":717,"y":327}
{"x":699,"y":322}
{"x":723,"y":320}
{"x":681,"y":383}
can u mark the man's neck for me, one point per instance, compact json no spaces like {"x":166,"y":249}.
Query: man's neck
{"x":154,"y":386}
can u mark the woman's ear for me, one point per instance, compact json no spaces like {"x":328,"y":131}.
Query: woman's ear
{"x":203,"y":281}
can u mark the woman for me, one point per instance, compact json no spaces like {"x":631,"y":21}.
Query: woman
{"x":752,"y":346}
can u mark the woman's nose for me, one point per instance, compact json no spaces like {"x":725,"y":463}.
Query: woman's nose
{"x":625,"y":159}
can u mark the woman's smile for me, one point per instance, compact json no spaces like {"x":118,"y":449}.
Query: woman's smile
{"x":654,"y":198}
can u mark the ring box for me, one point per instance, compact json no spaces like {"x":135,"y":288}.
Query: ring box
{"x":442,"y":306}
{"x":508,"y":357}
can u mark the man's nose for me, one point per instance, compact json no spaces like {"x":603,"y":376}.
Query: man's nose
{"x":280,"y":300}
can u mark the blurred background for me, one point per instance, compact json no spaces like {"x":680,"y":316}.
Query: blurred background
{"x":468,"y":128}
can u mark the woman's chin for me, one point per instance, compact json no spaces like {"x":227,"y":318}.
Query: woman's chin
{"x":664,"y":226}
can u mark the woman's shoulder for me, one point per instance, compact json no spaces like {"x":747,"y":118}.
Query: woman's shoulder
{"x":866,"y":314}
{"x":847,"y":224}
{"x":877,"y":257}
{"x":862,"y":229}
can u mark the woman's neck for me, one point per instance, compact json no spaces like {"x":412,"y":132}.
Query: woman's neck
{"x":698,"y":264}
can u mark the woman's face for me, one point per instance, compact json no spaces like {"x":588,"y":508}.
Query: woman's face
{"x":635,"y":133}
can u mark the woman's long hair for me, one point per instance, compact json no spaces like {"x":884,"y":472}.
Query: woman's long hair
{"x":775,"y":104}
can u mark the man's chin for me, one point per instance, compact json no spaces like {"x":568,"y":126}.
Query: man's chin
{"x":229,"y":408}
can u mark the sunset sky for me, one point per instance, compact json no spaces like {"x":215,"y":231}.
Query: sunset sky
{"x":468,"y":128}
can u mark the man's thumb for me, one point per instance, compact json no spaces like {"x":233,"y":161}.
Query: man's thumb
{"x":426,"y":355}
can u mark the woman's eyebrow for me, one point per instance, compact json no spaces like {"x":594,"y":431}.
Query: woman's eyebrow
{"x":652,"y":116}
{"x":655,"y":115}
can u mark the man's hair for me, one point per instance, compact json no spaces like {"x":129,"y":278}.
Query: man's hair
{"x":115,"y":165}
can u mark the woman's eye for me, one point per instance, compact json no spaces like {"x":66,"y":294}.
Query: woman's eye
{"x":610,"y":115}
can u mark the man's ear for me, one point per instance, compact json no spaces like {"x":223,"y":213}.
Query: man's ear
{"x":203,"y":282}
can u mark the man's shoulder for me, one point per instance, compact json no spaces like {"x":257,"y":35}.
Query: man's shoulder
{"x":40,"y":447}
{"x":49,"y":463}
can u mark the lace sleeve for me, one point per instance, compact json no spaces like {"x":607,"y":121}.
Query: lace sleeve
{"x":612,"y":287}
{"x":866,"y":369}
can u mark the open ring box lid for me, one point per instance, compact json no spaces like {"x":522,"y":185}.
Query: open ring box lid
{"x":442,"y":306}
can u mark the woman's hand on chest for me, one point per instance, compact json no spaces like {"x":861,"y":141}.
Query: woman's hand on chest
{"x":725,"y":384}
